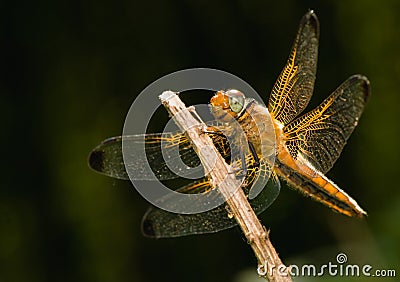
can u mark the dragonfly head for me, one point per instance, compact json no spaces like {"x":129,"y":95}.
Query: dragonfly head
{"x":230,"y":102}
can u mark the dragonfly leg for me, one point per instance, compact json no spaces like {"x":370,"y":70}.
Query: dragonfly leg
{"x":243,"y":170}
{"x":213,"y":131}
{"x":254,"y":154}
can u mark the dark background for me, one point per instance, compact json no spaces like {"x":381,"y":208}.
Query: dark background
{"x":70,"y":71}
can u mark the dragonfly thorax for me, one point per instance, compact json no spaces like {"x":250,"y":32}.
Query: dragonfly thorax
{"x":253,"y":117}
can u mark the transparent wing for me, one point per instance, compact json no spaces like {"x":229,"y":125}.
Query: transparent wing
{"x":158,"y":223}
{"x":321,"y":134}
{"x":107,"y":158}
{"x":294,"y":87}
{"x":170,"y":155}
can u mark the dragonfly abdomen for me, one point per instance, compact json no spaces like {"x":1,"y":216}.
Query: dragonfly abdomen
{"x":321,"y":189}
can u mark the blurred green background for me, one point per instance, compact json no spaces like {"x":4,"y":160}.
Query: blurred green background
{"x":70,"y":71}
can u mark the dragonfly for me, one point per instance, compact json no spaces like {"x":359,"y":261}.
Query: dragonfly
{"x":302,"y":147}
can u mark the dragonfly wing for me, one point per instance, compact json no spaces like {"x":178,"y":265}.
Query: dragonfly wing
{"x":294,"y":87}
{"x":320,"y":135}
{"x":170,"y":155}
{"x":107,"y":158}
{"x":159,"y":223}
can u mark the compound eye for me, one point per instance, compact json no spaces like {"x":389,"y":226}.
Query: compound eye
{"x":236,"y":100}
